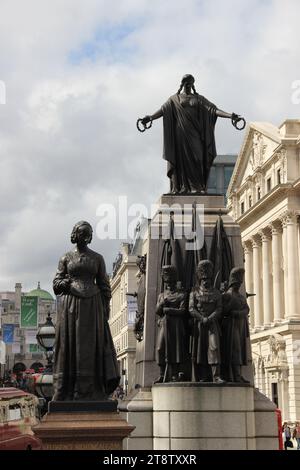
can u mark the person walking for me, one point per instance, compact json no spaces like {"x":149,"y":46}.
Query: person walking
{"x":296,"y":435}
{"x":287,"y":436}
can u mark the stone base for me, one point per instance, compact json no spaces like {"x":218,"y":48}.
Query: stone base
{"x":82,"y":431}
{"x":137,"y":410}
{"x":190,"y":416}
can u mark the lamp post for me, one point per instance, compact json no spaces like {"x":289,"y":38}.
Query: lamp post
{"x":46,"y":338}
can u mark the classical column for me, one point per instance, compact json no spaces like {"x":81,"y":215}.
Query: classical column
{"x":258,"y":320}
{"x":276,"y":267}
{"x":293,"y":265}
{"x":247,"y":246}
{"x":266,"y":276}
{"x":285,"y":266}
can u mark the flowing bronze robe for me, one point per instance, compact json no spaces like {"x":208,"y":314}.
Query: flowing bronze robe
{"x":189,"y":142}
{"x":85,"y":364}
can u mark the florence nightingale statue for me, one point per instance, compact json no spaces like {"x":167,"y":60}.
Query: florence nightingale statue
{"x":85,"y":364}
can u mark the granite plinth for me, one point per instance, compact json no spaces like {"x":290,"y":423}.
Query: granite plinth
{"x":82,"y":406}
{"x":197,"y":417}
{"x":82,"y":431}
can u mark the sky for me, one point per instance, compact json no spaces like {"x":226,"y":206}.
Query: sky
{"x":78,"y":74}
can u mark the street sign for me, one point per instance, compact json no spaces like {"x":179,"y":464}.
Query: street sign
{"x":35,"y":348}
{"x":8,"y":333}
{"x":29,"y":312}
{"x":30,"y":336}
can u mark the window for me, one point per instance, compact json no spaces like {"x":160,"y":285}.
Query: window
{"x":279,"y":176}
{"x":242,"y":208}
{"x":275,"y":393}
{"x":250,"y":201}
{"x":269,"y":184}
{"x":258,"y":193}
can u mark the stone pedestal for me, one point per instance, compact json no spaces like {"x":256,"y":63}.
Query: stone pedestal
{"x":137,"y":410}
{"x":82,"y":427}
{"x":193,"y":416}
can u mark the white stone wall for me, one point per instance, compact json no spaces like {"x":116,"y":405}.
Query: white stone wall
{"x":271,"y":240}
{"x":122,"y":333}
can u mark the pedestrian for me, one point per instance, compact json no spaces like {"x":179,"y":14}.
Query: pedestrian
{"x":287,"y":436}
{"x":296,"y":435}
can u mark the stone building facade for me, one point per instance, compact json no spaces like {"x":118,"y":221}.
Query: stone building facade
{"x":122,"y":314}
{"x":264,"y":198}
{"x":10,"y":314}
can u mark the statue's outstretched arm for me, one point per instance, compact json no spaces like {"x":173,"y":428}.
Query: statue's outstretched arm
{"x":158,"y":114}
{"x":223,"y":114}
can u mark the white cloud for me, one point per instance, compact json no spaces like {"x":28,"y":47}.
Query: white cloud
{"x":79,"y":74}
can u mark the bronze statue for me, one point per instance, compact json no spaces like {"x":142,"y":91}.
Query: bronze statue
{"x":141,"y":295}
{"x":189,"y":143}
{"x":85,"y":364}
{"x":171,"y":349}
{"x":205,"y":306}
{"x":235,"y":328}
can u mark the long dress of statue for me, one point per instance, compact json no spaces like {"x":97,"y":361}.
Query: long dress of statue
{"x":189,"y":143}
{"x":85,"y":364}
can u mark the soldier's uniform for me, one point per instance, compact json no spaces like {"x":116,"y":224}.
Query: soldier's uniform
{"x":205,"y":306}
{"x":235,"y":327}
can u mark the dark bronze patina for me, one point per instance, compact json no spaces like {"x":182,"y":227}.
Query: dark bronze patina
{"x":171,"y":349}
{"x":85,"y":363}
{"x":141,"y":295}
{"x":189,"y":143}
{"x":205,"y":306}
{"x":235,"y":328}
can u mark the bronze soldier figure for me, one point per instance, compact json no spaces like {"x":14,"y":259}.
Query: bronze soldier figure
{"x":171,"y":350}
{"x":235,"y":328}
{"x":205,"y":306}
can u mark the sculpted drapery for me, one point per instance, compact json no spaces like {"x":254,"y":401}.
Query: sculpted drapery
{"x":189,"y":141}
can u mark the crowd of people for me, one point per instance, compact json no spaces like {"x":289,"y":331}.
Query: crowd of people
{"x":23,"y":380}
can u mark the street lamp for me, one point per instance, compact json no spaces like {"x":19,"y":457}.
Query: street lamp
{"x":46,"y":338}
{"x":46,"y":334}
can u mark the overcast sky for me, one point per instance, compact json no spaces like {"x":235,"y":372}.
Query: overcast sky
{"x":79,"y":73}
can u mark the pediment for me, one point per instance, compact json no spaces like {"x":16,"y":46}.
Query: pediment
{"x":259,"y":144}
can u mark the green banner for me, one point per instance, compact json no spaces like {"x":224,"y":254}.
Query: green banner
{"x":35,"y":348}
{"x":29,"y":312}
